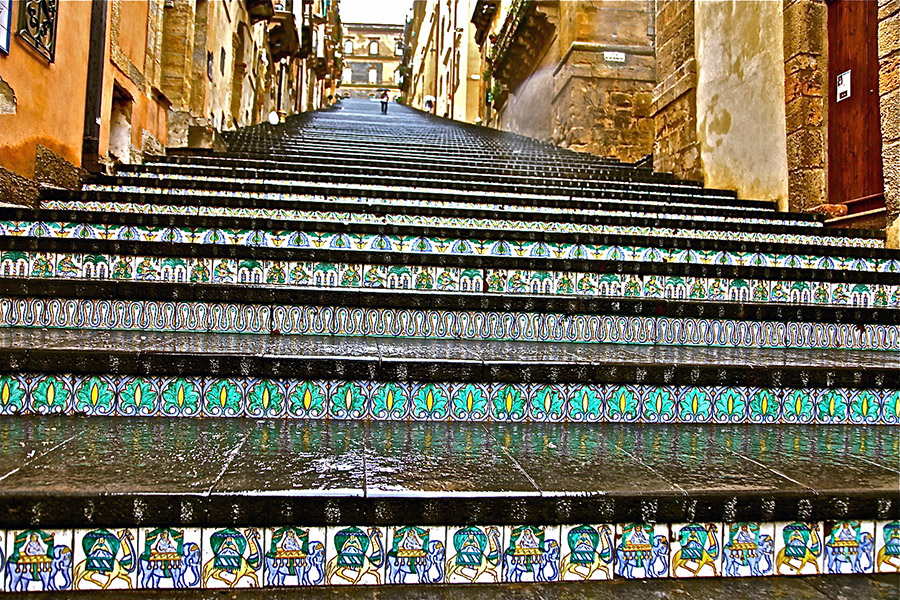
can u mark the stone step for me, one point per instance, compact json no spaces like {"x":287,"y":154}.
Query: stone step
{"x":391,"y":202}
{"x":421,"y":168}
{"x":337,"y":179}
{"x":405,"y":239}
{"x":308,"y":487}
{"x":96,"y":259}
{"x":195,"y":374}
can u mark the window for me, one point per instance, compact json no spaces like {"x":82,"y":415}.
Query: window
{"x":5,"y":17}
{"x":398,"y":49}
{"x":373,"y":47}
{"x":222,"y":61}
{"x":37,"y":25}
{"x":373,"y":75}
{"x":347,"y":75}
{"x":348,"y":48}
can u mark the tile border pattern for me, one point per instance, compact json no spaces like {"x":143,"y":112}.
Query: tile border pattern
{"x":287,"y":214}
{"x":65,"y":265}
{"x":448,"y":246}
{"x":292,"y":555}
{"x":348,"y":321}
{"x":170,"y":396}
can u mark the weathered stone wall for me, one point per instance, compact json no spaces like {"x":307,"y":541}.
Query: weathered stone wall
{"x":178,"y":52}
{"x":806,"y":104}
{"x":889,"y":92}
{"x":674,"y":107}
{"x":740,"y":97}
{"x":602,"y":104}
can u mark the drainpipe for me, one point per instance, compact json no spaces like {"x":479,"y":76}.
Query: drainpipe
{"x":93,"y":106}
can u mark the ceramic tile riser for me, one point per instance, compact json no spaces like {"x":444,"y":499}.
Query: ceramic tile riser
{"x":367,"y":350}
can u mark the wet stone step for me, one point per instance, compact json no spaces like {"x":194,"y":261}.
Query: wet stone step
{"x":273,"y":205}
{"x":241,"y":222}
{"x":483,"y":243}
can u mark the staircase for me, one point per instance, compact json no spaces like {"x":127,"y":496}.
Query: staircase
{"x":368,"y":349}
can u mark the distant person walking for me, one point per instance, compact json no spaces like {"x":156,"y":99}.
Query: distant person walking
{"x":385,"y":98}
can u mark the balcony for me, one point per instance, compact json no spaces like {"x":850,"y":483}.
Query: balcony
{"x":284,"y":38}
{"x":260,"y":10}
{"x":482,"y":18}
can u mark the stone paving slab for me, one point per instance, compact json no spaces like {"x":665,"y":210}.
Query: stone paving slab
{"x":203,"y":471}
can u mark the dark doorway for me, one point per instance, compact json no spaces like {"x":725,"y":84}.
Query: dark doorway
{"x":855,"y":174}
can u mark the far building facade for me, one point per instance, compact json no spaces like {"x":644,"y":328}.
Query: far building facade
{"x":371,"y":55}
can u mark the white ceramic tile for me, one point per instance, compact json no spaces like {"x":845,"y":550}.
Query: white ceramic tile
{"x":355,"y":556}
{"x":38,"y":560}
{"x":695,"y":549}
{"x":105,"y":559}
{"x":415,"y":554}
{"x":887,"y":546}
{"x":168,"y":558}
{"x":748,"y":549}
{"x":232,"y":558}
{"x":474,"y":554}
{"x":642,"y":550}
{"x":849,"y":547}
{"x":798,"y":548}
{"x":294,"y":556}
{"x":587,"y":552}
{"x":531,"y":553}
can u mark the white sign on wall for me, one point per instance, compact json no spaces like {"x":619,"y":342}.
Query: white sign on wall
{"x":843,"y":86}
{"x":617,"y":57}
{"x":5,"y":26}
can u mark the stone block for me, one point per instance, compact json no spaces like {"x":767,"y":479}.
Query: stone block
{"x":205,"y":137}
{"x":806,"y":188}
{"x":888,"y":35}
{"x":804,"y":76}
{"x":887,"y":8}
{"x":53,"y":169}
{"x":805,"y":28}
{"x":891,"y":159}
{"x":15,"y":189}
{"x":889,"y":74}
{"x":803,"y":112}
{"x":890,"y":116}
{"x":805,"y":148}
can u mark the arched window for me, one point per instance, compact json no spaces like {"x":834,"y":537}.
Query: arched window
{"x":348,"y":48}
{"x":373,"y":47}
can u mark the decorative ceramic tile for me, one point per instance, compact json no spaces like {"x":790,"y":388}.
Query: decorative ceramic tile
{"x":748,"y":549}
{"x":169,"y":558}
{"x":474,"y":554}
{"x":105,"y":559}
{"x":38,"y":560}
{"x":849,"y":546}
{"x":798,"y":548}
{"x":355,"y":556}
{"x":695,"y":549}
{"x":642,"y":550}
{"x":887,"y":546}
{"x":587,"y":552}
{"x":294,"y":556}
{"x":415,"y":554}
{"x":232,"y":558}
{"x":531,"y":553}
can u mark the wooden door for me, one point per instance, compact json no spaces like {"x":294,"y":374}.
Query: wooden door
{"x":854,"y":123}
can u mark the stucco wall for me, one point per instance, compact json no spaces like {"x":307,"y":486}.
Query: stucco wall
{"x":740,"y":97}
{"x":49,"y":97}
{"x":529,"y":109}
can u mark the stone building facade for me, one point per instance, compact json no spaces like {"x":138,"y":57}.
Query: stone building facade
{"x":371,"y":54}
{"x":99,"y":83}
{"x":577,"y":74}
{"x":748,"y":99}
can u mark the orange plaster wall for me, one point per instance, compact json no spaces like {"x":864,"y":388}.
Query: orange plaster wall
{"x":133,"y":30}
{"x":50,"y":97}
{"x":146,"y":113}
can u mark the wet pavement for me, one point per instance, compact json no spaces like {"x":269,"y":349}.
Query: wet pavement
{"x":842,"y":587}
{"x":142,"y":471}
